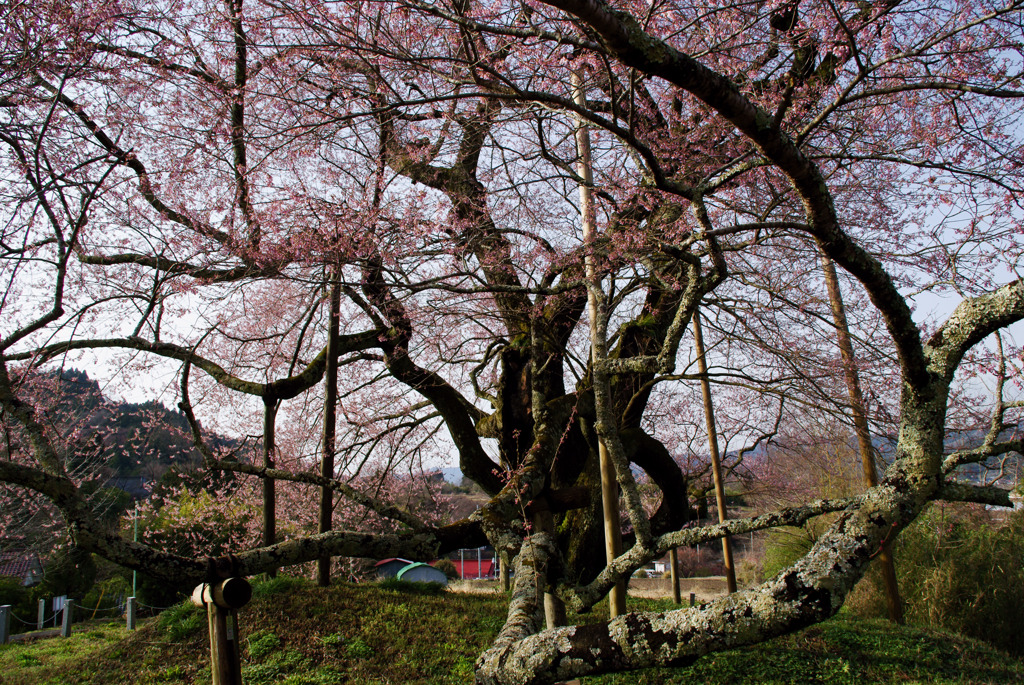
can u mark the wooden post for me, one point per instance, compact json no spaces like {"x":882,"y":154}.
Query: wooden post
{"x":673,"y":560}
{"x":270,"y":407}
{"x":693,"y":599}
{"x":503,"y":579}
{"x":716,"y":462}
{"x":222,"y":601}
{"x":65,"y":624}
{"x":609,"y":483}
{"x":41,"y":615}
{"x":130,"y":613}
{"x":323,"y":564}
{"x":554,"y":607}
{"x":5,"y":624}
{"x":860,"y":423}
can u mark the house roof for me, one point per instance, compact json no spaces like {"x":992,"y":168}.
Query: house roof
{"x":17,"y":564}
{"x":388,"y":561}
{"x":133,"y":485}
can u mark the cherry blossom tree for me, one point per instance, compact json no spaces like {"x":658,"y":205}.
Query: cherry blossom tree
{"x":191,"y":184}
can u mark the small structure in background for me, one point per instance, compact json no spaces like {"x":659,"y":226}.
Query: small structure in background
{"x":23,"y":565}
{"x":136,"y":486}
{"x":470,"y":569}
{"x":389,"y":568}
{"x":412,"y":571}
{"x":422,"y":573}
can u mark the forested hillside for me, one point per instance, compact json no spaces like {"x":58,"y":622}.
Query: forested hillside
{"x":123,"y":439}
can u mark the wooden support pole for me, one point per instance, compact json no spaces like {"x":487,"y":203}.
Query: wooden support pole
{"x":323,"y":565}
{"x":69,"y":616}
{"x":5,"y":624}
{"x":716,"y":462}
{"x":673,"y":562}
{"x":222,"y":601}
{"x":609,"y":483}
{"x":554,"y":607}
{"x":269,"y":494}
{"x":503,"y":578}
{"x":130,"y":613}
{"x":860,"y":423}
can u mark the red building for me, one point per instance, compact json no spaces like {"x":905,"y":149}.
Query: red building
{"x":471,"y":568}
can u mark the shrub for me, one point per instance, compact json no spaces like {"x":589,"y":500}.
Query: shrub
{"x":447,"y":567}
{"x":106,"y":597}
{"x":694,"y":564}
{"x":70,"y":572}
{"x":783,"y":547}
{"x":22,"y":603}
{"x":961,"y":571}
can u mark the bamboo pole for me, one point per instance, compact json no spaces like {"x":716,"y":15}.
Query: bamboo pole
{"x":609,"y":486}
{"x":860,"y":423}
{"x":716,"y":462}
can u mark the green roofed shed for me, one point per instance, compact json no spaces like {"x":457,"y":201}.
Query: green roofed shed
{"x":422,"y":573}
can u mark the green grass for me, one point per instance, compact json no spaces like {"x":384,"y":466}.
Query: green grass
{"x":844,"y":651}
{"x":298,"y":634}
{"x":43,"y":661}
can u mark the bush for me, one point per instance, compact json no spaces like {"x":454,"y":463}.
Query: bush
{"x":22,"y":601}
{"x":106,"y":597}
{"x":447,"y":567}
{"x":784,"y":547}
{"x":70,"y":572}
{"x":699,"y":565}
{"x":961,"y":571}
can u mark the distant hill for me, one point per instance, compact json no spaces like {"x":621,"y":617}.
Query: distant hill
{"x":125,"y":439}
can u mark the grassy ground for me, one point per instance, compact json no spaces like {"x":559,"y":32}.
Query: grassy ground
{"x":298,"y":634}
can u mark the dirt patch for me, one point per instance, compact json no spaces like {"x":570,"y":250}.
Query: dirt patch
{"x":704,"y":589}
{"x":474,"y":587}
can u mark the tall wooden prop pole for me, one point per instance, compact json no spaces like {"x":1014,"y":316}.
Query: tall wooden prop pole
{"x":269,"y":495}
{"x":716,"y":462}
{"x":860,"y":423}
{"x":673,"y":560}
{"x":323,"y":565}
{"x":609,"y":487}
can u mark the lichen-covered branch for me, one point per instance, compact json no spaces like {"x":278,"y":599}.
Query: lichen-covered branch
{"x":581,"y":599}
